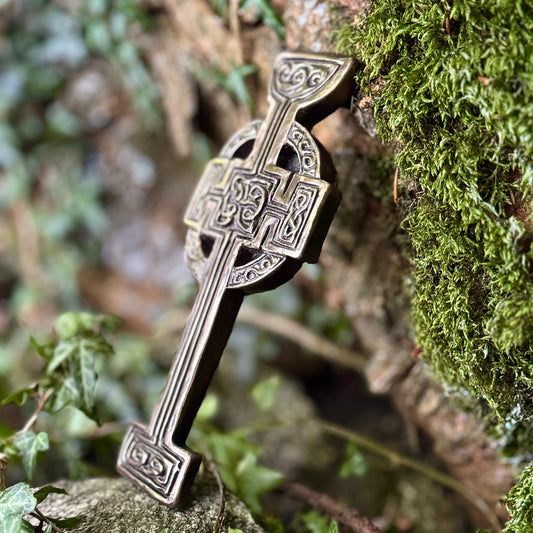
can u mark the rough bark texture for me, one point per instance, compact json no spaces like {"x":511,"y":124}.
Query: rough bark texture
{"x":115,"y":506}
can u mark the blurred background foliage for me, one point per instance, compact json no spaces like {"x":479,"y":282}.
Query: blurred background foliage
{"x":72,"y":77}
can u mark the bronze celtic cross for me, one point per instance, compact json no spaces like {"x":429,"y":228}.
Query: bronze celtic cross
{"x":261,"y":209}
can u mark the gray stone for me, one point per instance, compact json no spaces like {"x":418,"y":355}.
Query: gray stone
{"x":113,"y":505}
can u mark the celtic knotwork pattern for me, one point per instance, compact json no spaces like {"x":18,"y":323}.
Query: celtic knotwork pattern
{"x":299,"y":209}
{"x":297,"y":80}
{"x":306,"y":149}
{"x":155,"y":465}
{"x":243,"y":206}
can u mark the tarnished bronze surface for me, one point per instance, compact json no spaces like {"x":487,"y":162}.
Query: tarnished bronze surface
{"x":261,"y":209}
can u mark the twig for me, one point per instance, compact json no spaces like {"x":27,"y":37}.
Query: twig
{"x":40,"y":406}
{"x":212,"y":467}
{"x":4,"y":460}
{"x":413,"y":464}
{"x":40,"y":516}
{"x":304,"y":337}
{"x":395,"y":184}
{"x":322,"y":502}
{"x":288,"y":328}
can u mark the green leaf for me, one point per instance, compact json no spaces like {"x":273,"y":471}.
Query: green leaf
{"x":66,"y":523}
{"x":45,"y":491}
{"x":333,"y":527}
{"x":264,"y":393}
{"x":73,"y":363}
{"x":67,"y":394}
{"x":5,"y":431}
{"x":231,"y":530}
{"x":316,"y":523}
{"x":44,"y":350}
{"x":29,"y":444}
{"x":237,"y":461}
{"x":268,"y":14}
{"x":62,"y":352}
{"x":15,"y":502}
{"x":209,"y":408}
{"x":48,"y":529}
{"x":254,"y":480}
{"x":87,"y":375}
{"x":109,"y":322}
{"x":354,"y":463}
{"x":18,"y":397}
{"x":72,"y":324}
{"x":233,"y":82}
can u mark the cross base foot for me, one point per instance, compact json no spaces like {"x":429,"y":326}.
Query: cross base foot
{"x":165,"y":472}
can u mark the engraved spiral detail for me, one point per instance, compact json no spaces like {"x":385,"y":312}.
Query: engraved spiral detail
{"x":298,"y":80}
{"x":149,"y":462}
{"x":251,"y":272}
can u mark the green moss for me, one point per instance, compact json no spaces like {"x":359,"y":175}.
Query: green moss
{"x":452,"y":86}
{"x":519,"y":503}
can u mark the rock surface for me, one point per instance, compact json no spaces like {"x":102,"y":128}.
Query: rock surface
{"x":116,"y":506}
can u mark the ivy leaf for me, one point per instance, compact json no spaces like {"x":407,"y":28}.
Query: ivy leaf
{"x":73,"y":365}
{"x":18,"y":397}
{"x":316,"y":523}
{"x":234,"y":82}
{"x":354,"y":463}
{"x":66,"y":523}
{"x":42,"y":493}
{"x":62,"y":353}
{"x":254,"y":480}
{"x":29,"y":444}
{"x":5,"y":431}
{"x":70,"y":325}
{"x":66,"y":394}
{"x":333,"y":527}
{"x":86,"y":376}
{"x":208,"y":409}
{"x":44,"y":350}
{"x":15,"y":502}
{"x":264,"y":393}
{"x":237,"y":461}
{"x":268,"y":14}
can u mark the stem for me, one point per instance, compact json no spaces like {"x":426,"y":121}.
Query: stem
{"x":212,"y":467}
{"x":40,"y":516}
{"x":40,"y":406}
